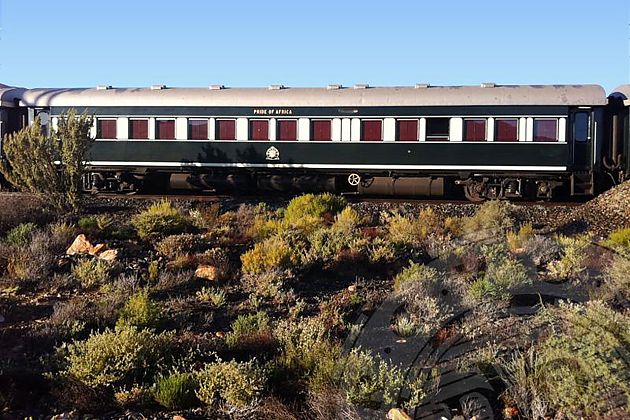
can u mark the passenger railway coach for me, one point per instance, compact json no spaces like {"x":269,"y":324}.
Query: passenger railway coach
{"x":488,"y":141}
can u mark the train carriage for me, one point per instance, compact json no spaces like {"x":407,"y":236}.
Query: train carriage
{"x":490,"y":141}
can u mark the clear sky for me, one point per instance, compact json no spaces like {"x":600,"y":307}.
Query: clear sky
{"x":76,"y":43}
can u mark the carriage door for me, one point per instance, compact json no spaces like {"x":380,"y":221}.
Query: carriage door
{"x":582,"y":138}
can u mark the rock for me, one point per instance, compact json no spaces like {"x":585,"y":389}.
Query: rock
{"x":98,"y":248}
{"x":397,"y":414}
{"x":176,"y":417}
{"x":80,"y":246}
{"x":108,"y":255}
{"x":208,"y":272}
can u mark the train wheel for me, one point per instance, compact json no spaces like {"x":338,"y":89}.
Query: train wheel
{"x":474,"y":192}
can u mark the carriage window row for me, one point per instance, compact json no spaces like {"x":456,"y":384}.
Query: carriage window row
{"x":404,"y":129}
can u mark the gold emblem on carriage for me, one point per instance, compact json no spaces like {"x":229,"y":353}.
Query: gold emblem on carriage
{"x":272,"y":153}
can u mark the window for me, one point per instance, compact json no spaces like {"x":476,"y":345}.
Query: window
{"x":321,"y":130}
{"x":372,"y":130}
{"x":259,"y":129}
{"x":106,"y":129}
{"x":139,"y":129}
{"x":198,"y":129}
{"x":475,"y":130}
{"x":545,"y":129}
{"x":286,"y":130}
{"x":506,"y":129}
{"x":406,"y":130}
{"x":438,"y":129}
{"x":580,"y":133}
{"x":225,"y":130}
{"x":165,"y":129}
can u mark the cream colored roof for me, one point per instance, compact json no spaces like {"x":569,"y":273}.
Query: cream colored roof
{"x":344,"y":97}
{"x":622,"y":92}
{"x":8,"y":94}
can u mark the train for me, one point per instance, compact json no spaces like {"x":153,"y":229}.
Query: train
{"x":489,"y":141}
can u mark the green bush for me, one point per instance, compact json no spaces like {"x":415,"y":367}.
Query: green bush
{"x":174,"y":246}
{"x":238,"y":385}
{"x":272,"y":253}
{"x":91,"y":272}
{"x":307,"y":211}
{"x":119,"y":357}
{"x":492,"y":218}
{"x":161,"y":219}
{"x":415,"y":273}
{"x":176,"y":391}
{"x":139,"y":311}
{"x":246,"y":326}
{"x":619,"y":239}
{"x":571,"y":263}
{"x":21,"y":234}
{"x":503,"y":273}
{"x":616,"y":285}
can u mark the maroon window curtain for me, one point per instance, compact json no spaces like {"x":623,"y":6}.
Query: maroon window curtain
{"x":475,"y":130}
{"x":506,"y":130}
{"x":165,"y":129}
{"x":321,"y":130}
{"x":259,"y":129}
{"x":106,"y":129}
{"x":287,"y":130}
{"x":407,"y":130}
{"x":225,"y":130}
{"x":545,"y":130}
{"x":139,"y":129}
{"x":371,"y":130}
{"x":198,"y":129}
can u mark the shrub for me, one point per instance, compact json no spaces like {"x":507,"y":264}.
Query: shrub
{"x":272,"y":253}
{"x":214,"y":295}
{"x":161,"y":219}
{"x":30,"y":154}
{"x":542,"y":249}
{"x":405,"y":326}
{"x":267,"y":284}
{"x":116,"y":357}
{"x":326,"y":244}
{"x":516,"y":240}
{"x":308,"y":211}
{"x":23,"y":208}
{"x":91,"y":272}
{"x":491,"y":219}
{"x":503,"y":273}
{"x":95,"y":224}
{"x":382,"y":251}
{"x":348,"y":221}
{"x":236,"y":384}
{"x":177,"y":245}
{"x":21,"y":234}
{"x":409,"y":230}
{"x":139,"y":311}
{"x":246,"y":326}
{"x":176,"y":391}
{"x":571,"y":263}
{"x":619,"y":239}
{"x":616,"y":285}
{"x":32,"y":261}
{"x":415,"y":273}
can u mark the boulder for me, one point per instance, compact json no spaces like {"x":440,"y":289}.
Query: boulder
{"x":108,"y":255}
{"x":208,"y":272}
{"x":397,"y":414}
{"x":80,"y":246}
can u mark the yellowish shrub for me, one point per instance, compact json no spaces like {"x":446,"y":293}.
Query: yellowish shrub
{"x":272,"y":253}
{"x":516,"y":240}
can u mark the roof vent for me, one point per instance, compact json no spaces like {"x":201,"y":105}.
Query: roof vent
{"x":216,"y":87}
{"x":422,"y":85}
{"x":361,"y":86}
{"x":333,"y":87}
{"x":103,"y":87}
{"x":158,"y":87}
{"x":488,"y":85}
{"x":276,"y":87}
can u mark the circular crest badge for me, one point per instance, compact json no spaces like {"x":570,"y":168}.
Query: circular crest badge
{"x":272,"y":153}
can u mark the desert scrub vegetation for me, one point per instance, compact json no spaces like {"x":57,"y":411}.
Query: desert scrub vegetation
{"x":176,"y":391}
{"x":161,"y":219}
{"x":30,"y":155}
{"x":116,"y":357}
{"x":91,"y":272}
{"x":21,"y":234}
{"x":248,"y":328}
{"x":493,"y":218}
{"x":578,"y":370}
{"x":270,"y":254}
{"x":615,"y":288}
{"x":516,"y":240}
{"x":571,"y":262}
{"x":620,"y":240}
{"x":502,"y":274}
{"x":309,"y":210}
{"x":237,"y":384}
{"x":139,"y":311}
{"x":412,"y":230}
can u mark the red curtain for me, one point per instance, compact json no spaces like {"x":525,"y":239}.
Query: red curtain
{"x":287,"y":130}
{"x":106,"y":129}
{"x":545,"y":130}
{"x":321,"y":130}
{"x":259,"y":129}
{"x":506,"y":130}
{"x":372,"y":130}
{"x":407,"y":130}
{"x":165,"y":130}
{"x":139,"y":129}
{"x":475,"y":130}
{"x":226,"y":130}
{"x":198,"y":129}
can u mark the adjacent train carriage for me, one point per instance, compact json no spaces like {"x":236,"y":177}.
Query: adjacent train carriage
{"x":616,"y":158}
{"x":489,"y":141}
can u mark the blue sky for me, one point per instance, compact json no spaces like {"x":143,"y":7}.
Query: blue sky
{"x":73,"y":43}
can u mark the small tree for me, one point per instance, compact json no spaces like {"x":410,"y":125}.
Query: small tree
{"x":49,"y":165}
